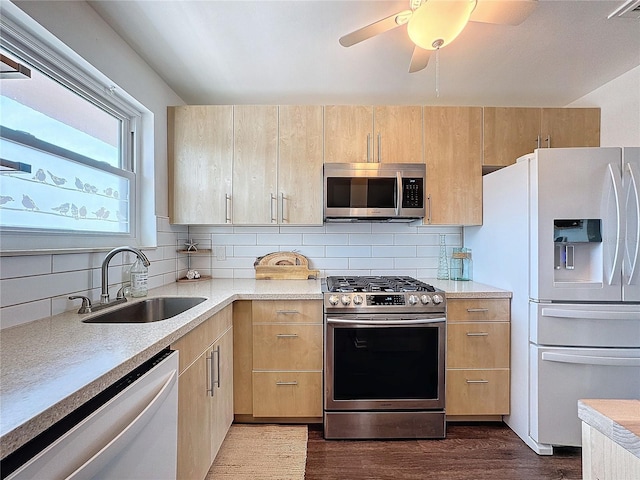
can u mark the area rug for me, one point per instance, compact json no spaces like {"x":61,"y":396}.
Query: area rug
{"x":262,"y":452}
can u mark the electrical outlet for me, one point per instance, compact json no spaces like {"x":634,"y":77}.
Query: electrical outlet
{"x":221,"y":253}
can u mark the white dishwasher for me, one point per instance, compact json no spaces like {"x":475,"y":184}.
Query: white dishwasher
{"x":129,"y":431}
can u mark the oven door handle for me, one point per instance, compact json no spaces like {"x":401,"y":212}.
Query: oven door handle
{"x":395,"y":323}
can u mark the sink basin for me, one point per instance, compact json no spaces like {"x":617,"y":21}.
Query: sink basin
{"x":150,"y":310}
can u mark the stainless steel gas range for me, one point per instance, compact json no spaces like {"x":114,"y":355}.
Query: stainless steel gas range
{"x":384,"y":358}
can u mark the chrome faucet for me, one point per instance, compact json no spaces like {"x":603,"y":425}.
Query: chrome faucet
{"x":104,"y":297}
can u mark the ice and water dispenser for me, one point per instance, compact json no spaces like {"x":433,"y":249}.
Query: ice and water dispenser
{"x":577,"y":250}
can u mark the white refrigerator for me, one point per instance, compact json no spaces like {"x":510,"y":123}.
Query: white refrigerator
{"x":561,"y":230}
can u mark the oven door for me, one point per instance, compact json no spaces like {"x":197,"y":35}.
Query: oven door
{"x":384,"y":362}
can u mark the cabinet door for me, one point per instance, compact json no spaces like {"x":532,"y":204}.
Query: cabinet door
{"x":348,"y":133}
{"x":255,"y":164}
{"x":194,"y":420}
{"x":478,"y":345}
{"x":570,"y":127}
{"x":397,"y":134}
{"x":200,"y":157}
{"x":287,"y":394}
{"x":300,"y":165}
{"x":509,"y":133}
{"x":477,"y":392}
{"x":453,"y":155}
{"x":222,"y":397}
{"x":287,"y":347}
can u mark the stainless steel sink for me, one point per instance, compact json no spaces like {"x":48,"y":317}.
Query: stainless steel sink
{"x":150,"y":310}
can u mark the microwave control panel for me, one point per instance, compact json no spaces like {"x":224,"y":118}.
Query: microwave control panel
{"x":412,"y":193}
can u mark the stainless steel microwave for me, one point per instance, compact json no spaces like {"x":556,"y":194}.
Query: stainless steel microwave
{"x":374,"y":192}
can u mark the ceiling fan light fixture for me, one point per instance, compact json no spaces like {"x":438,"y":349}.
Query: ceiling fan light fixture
{"x":436,"y":23}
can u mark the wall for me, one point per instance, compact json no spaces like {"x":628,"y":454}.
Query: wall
{"x":619,"y":101}
{"x":334,"y":249}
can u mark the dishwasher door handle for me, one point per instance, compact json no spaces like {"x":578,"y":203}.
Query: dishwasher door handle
{"x":113,"y":447}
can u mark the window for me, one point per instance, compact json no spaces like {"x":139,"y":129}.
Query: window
{"x":79,"y":143}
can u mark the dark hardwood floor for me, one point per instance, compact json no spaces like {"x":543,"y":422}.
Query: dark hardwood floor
{"x":470,"y":452}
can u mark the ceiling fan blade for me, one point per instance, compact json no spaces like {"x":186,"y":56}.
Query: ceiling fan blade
{"x":419,"y":59}
{"x":376,"y":28}
{"x":503,"y":12}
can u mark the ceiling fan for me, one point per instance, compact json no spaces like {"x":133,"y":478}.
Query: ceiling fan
{"x":433,"y":24}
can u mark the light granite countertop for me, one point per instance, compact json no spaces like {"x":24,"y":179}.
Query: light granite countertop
{"x":618,"y":420}
{"x":51,"y":366}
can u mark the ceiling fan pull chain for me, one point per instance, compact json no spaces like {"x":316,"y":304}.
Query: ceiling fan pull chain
{"x":437,"y":73}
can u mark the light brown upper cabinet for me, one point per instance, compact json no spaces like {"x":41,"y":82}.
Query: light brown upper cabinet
{"x":510,"y":132}
{"x":453,"y":155}
{"x":300,"y":165}
{"x":200,"y":154}
{"x":255,"y":174}
{"x":387,"y":134}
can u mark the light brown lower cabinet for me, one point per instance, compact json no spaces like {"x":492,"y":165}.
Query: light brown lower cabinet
{"x":205,"y":393}
{"x":278,"y":360}
{"x":478,"y":374}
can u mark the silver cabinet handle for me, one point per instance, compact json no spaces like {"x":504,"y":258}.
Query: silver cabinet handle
{"x":274,"y":219}
{"x":548,"y":140}
{"x":477,"y":381}
{"x":287,"y":383}
{"x":538,"y":141}
{"x":477,"y":334}
{"x":379,"y":147}
{"x":213,"y":382}
{"x":477,"y":310}
{"x":286,"y":335}
{"x":227,"y":208}
{"x":287,"y":312}
{"x":282,"y":217}
{"x":368,"y":147}
{"x":429,"y":209}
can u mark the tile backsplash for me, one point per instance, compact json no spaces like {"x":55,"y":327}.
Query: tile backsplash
{"x":37,"y":286}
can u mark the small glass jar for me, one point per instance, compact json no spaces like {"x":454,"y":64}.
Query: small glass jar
{"x":461,"y":265}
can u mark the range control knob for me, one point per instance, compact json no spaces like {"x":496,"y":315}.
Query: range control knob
{"x":437,"y":299}
{"x":346,"y":299}
{"x":333,"y":299}
{"x":413,"y":299}
{"x":357,"y":300}
{"x":425,"y":299}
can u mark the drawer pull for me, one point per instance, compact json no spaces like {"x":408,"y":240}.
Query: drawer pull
{"x":286,"y":335}
{"x":287,"y":383}
{"x":477,"y":381}
{"x":287,"y":312}
{"x":476,"y":310}
{"x":477,"y":334}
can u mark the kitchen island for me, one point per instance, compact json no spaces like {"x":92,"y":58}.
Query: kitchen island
{"x":610,"y":439}
{"x":52,"y":366}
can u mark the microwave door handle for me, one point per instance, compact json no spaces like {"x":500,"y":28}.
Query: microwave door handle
{"x":398,"y":193}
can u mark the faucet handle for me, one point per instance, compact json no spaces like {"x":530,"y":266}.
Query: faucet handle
{"x":86,"y":303}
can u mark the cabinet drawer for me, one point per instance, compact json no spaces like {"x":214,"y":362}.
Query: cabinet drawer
{"x":478,"y":345}
{"x":477,"y":392}
{"x":287,"y":311}
{"x":478,"y":309}
{"x":287,"y":394}
{"x":197,"y":340}
{"x":287,"y":347}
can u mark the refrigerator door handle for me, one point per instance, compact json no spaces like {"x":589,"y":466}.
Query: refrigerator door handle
{"x":632,"y":206}
{"x":591,"y":360}
{"x":588,"y":314}
{"x":615,"y":177}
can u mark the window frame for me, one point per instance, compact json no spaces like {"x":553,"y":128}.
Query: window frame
{"x":53,"y":62}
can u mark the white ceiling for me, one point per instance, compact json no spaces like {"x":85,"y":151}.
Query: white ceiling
{"x":287,"y":52}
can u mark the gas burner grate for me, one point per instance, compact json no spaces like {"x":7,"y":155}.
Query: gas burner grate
{"x":377,"y":284}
